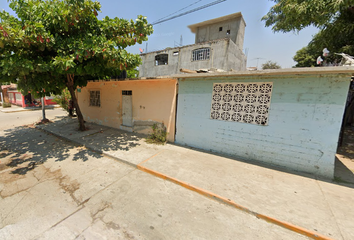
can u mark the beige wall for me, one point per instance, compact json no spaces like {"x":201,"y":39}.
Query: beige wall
{"x":154,"y":100}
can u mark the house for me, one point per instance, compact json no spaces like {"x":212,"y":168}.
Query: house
{"x":14,"y":96}
{"x":218,"y":45}
{"x":288,"y":117}
{"x":131,"y":105}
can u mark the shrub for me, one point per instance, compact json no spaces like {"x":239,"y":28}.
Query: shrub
{"x":63,"y":99}
{"x":6,"y":105}
{"x":158,"y":136}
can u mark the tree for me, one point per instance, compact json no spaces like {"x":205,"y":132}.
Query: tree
{"x":294,"y":15}
{"x":335,"y":20}
{"x":305,"y":58}
{"x":55,"y":44}
{"x":270,"y":65}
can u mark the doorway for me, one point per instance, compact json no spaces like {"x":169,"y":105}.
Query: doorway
{"x":127,"y":108}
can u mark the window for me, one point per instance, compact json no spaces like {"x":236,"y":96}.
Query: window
{"x":220,"y":29}
{"x":201,"y":54}
{"x":95,"y":99}
{"x":175,"y":53}
{"x":127,"y":92}
{"x":18,"y":96}
{"x":241,"y":102}
{"x":161,"y":59}
{"x":228,"y":32}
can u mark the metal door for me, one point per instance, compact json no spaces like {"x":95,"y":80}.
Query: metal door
{"x":127,"y":108}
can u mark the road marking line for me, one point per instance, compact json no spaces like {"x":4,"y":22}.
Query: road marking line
{"x":221,"y":199}
{"x":149,"y":158}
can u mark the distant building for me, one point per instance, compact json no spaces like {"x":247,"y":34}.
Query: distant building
{"x":218,"y":45}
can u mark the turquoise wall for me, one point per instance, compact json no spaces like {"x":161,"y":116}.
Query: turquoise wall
{"x":304,"y":121}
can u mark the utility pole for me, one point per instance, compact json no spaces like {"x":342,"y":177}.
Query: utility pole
{"x":43,"y":110}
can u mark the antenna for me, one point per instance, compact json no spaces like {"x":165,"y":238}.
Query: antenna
{"x":257,"y":60}
{"x":246,"y":52}
{"x":181,"y":41}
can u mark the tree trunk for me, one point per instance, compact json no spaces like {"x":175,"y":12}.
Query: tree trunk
{"x":70,"y":85}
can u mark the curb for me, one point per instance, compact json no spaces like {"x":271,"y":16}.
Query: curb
{"x":28,"y":109}
{"x":231,"y":203}
{"x":208,"y":194}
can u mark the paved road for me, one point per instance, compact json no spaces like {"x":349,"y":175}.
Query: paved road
{"x":15,"y":119}
{"x":51,"y":189}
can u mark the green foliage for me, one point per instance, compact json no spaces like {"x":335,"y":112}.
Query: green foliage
{"x":51,"y":39}
{"x":133,"y":73}
{"x":335,"y":19}
{"x":294,"y":15}
{"x":63,"y":99}
{"x":305,"y":57}
{"x":158,"y":136}
{"x":54,"y":44}
{"x":6,"y":105}
{"x":270,"y":65}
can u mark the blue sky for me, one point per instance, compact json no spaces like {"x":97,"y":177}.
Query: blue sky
{"x":260,"y":41}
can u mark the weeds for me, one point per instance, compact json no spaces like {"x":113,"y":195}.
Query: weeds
{"x":158,"y":136}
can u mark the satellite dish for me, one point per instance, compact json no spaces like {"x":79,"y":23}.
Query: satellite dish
{"x":141,"y":50}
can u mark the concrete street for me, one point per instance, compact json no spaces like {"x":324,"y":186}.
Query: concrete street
{"x":53,"y":188}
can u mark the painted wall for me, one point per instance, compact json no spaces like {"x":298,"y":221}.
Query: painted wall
{"x":154,"y":101}
{"x":225,"y":54}
{"x":304,"y":121}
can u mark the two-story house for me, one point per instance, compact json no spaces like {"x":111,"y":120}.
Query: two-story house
{"x":218,"y":45}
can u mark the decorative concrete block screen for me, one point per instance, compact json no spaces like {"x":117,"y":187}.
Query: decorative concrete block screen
{"x":241,"y":102}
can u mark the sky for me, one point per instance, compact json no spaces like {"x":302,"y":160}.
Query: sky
{"x":260,"y":43}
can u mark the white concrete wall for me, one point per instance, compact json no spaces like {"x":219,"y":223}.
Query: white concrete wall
{"x":304,"y":121}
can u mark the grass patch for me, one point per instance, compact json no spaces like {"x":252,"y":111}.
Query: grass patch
{"x":6,"y":105}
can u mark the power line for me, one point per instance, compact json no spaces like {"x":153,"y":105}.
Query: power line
{"x":178,"y":11}
{"x":190,"y":11}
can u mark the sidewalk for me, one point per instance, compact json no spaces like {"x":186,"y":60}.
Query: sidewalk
{"x":15,"y":108}
{"x":294,"y":201}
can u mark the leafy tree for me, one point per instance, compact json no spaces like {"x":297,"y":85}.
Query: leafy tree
{"x":305,"y":58}
{"x":294,"y":15}
{"x":270,"y":65}
{"x":335,"y":20}
{"x":63,"y":99}
{"x":133,"y":73}
{"x":55,"y":44}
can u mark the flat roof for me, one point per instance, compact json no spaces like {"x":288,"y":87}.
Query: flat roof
{"x":194,"y":27}
{"x":349,"y":70}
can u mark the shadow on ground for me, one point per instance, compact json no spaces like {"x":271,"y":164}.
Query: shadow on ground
{"x":344,"y":165}
{"x":113,"y":140}
{"x":23,"y":148}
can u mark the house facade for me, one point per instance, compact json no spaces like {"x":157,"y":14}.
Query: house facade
{"x":218,"y":45}
{"x":289,"y":118}
{"x":14,"y":96}
{"x":131,"y":105}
